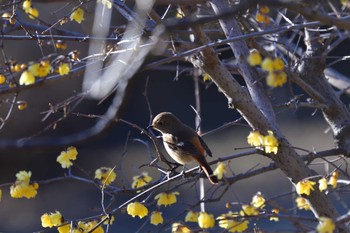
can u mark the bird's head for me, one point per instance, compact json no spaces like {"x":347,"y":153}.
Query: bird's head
{"x":166,"y":122}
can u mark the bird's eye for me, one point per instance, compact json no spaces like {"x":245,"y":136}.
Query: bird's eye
{"x":160,"y":123}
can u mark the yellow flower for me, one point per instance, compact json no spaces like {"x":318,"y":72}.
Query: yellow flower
{"x":22,"y":187}
{"x":267,"y":64}
{"x":255,"y":138}
{"x":20,"y":190}
{"x":21,"y":104}
{"x":110,"y":221}
{"x":249,"y":210}
{"x":61,"y":45}
{"x":26,"y":5}
{"x":141,"y":180}
{"x":302,"y":203}
{"x":322,"y":184}
{"x":8,"y":16}
{"x":166,"y":198}
{"x":63,"y":20}
{"x":254,"y":58}
{"x":228,"y":222}
{"x":106,"y":175}
{"x":65,"y":229}
{"x":275,"y":218}
{"x":156,"y":218}
{"x":24,"y":176}
{"x":2,"y":79}
{"x":41,"y":69}
{"x":220,"y":170}
{"x":206,"y":77}
{"x":0,"y":194}
{"x":137,"y":209}
{"x":326,"y":225}
{"x":52,"y":219}
{"x":33,"y":13}
{"x":334,"y":179}
{"x":264,"y":9}
{"x":179,"y":228}
{"x":262,"y":18}
{"x":107,"y":3}
{"x":305,"y":187}
{"x":63,"y":69}
{"x":206,"y":220}
{"x":192,"y":216}
{"x":88,"y":226}
{"x":77,"y":15}
{"x":179,"y":13}
{"x":276,"y":79}
{"x":27,"y":78}
{"x":258,"y":201}
{"x":66,"y":156}
{"x":270,"y":143}
{"x":278,"y":64}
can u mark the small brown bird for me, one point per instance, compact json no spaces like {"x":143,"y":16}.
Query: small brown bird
{"x":182,"y":143}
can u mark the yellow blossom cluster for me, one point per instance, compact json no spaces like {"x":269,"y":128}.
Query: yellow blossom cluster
{"x":302,"y":203}
{"x":235,"y":222}
{"x":156,"y":218}
{"x":206,"y":220}
{"x":258,"y":201}
{"x":326,"y":225}
{"x":261,"y":16}
{"x":63,"y":69}
{"x":191,"y":216}
{"x":22,"y":187}
{"x":177,"y":227}
{"x":61,"y":45}
{"x":333,"y":179}
{"x":206,"y":77}
{"x":16,"y":67}
{"x":27,"y":78}
{"x":31,"y":11}
{"x":86,"y":227}
{"x":249,"y":210}
{"x":137,"y":209}
{"x":276,"y":76}
{"x":77,"y":15}
{"x":56,"y":220}
{"x":305,"y":187}
{"x":106,"y":175}
{"x":22,"y":105}
{"x":40,"y":70}
{"x":2,"y":79}
{"x":8,"y":16}
{"x":220,"y":170}
{"x":66,"y":157}
{"x":275,"y":218}
{"x":81,"y":227}
{"x":166,"y":198}
{"x":52,"y":219}
{"x":232,"y":222}
{"x":141,"y":180}
{"x":269,"y":142}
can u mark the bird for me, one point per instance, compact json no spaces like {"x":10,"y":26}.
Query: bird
{"x":182,"y":143}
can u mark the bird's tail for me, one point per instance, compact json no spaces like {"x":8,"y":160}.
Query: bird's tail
{"x":207,"y":170}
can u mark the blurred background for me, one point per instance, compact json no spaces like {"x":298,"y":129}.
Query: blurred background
{"x":119,"y":145}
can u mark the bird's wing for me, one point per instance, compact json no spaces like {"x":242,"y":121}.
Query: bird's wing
{"x":193,"y":147}
{"x":205,"y":146}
